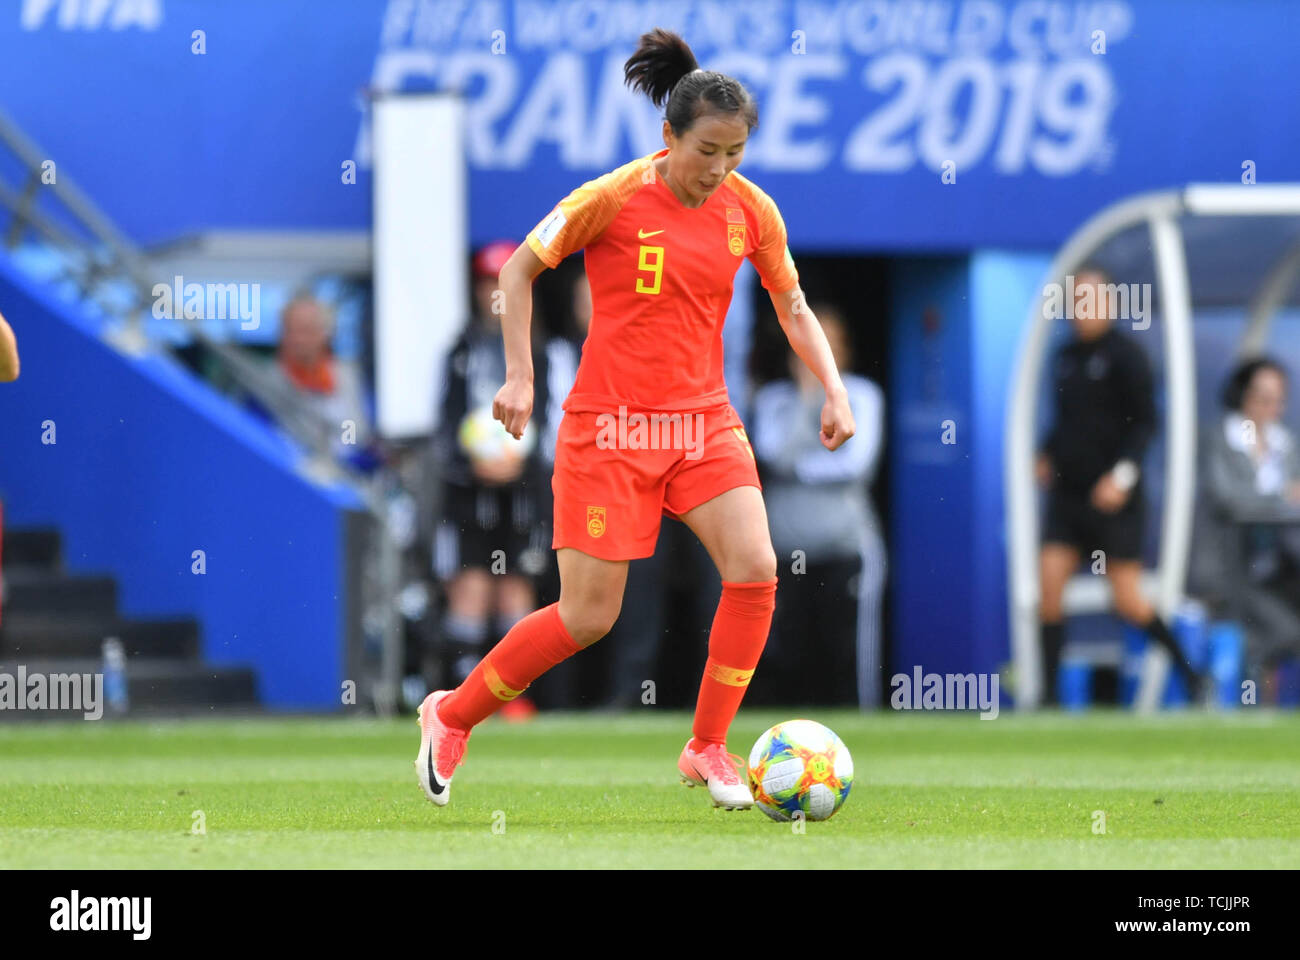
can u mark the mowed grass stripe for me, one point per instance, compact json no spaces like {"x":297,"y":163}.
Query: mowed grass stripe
{"x":1185,"y":790}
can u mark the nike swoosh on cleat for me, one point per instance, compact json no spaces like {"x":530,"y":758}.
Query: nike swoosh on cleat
{"x":434,"y":785}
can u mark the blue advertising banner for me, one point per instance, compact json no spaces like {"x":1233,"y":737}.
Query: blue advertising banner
{"x":931,"y":125}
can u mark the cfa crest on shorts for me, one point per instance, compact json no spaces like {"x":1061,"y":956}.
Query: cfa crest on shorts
{"x":595,"y":521}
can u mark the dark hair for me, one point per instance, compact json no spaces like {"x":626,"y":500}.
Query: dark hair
{"x":665,"y":69}
{"x":1238,"y":382}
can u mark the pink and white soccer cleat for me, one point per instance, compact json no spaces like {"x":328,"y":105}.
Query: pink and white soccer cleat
{"x":442,"y":750}
{"x":714,"y":768}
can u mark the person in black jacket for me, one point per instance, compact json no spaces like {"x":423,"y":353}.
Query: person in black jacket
{"x":493,"y":537}
{"x":1090,"y":465}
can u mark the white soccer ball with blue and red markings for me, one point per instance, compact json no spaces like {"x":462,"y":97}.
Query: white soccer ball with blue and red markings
{"x":800,"y":767}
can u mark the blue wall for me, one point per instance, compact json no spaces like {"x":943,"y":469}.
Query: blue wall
{"x":1002,"y":286}
{"x":955,"y":335}
{"x":150,"y":465}
{"x":931,"y":484}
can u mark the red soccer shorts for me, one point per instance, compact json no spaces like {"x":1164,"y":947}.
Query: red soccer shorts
{"x":617,"y":473}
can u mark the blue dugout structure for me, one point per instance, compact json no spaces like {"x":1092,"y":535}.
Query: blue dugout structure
{"x":141,"y":466}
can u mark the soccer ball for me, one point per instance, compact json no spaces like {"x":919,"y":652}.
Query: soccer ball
{"x":483,"y":437}
{"x":800,"y":766}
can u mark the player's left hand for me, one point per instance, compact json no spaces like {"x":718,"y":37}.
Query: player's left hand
{"x":513,"y":405}
{"x":1107,"y":496}
{"x":837,"y":420}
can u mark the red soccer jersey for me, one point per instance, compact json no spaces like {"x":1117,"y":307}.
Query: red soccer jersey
{"x":661,"y":278}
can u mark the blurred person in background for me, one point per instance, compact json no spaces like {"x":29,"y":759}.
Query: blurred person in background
{"x":1247,"y":556}
{"x":305,"y":361}
{"x":1104,"y":417}
{"x":825,"y":645}
{"x":493,"y":536}
{"x":8,"y":352}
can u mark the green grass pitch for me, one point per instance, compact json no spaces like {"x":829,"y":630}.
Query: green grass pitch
{"x":587,"y":790}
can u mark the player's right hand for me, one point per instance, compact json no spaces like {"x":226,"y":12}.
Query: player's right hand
{"x":513,"y":405}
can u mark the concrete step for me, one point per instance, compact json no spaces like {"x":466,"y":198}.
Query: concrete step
{"x":39,"y":547}
{"x":30,"y":636}
{"x":31,"y":591}
{"x":152,"y":684}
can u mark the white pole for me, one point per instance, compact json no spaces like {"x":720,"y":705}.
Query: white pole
{"x":1180,"y":449}
{"x":1272,"y":294}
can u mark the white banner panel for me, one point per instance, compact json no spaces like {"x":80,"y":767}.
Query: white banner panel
{"x":421,"y":235}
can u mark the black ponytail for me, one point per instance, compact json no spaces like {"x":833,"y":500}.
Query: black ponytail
{"x":660,"y":61}
{"x":665,"y":69}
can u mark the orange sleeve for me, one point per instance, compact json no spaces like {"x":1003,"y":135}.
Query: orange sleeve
{"x":771,"y":255}
{"x":576,"y":221}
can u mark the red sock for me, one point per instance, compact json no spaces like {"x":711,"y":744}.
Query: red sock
{"x":535,"y":644}
{"x":740,"y":629}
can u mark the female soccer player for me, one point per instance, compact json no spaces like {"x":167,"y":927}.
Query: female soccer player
{"x":648,"y":428}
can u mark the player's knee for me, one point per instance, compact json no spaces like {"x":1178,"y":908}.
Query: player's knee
{"x":587,"y":631}
{"x":589,"y":622}
{"x":757,"y":567}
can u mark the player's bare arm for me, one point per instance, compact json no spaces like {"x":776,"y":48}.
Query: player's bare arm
{"x":809,"y":342}
{"x":8,"y":352}
{"x":513,"y":404}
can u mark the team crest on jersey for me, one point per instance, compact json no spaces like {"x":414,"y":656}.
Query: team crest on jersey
{"x":736,"y":238}
{"x":595,"y":521}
